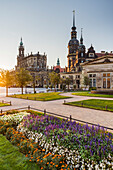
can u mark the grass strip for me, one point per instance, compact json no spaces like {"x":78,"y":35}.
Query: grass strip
{"x":4,"y":104}
{"x":94,"y":104}
{"x":41,"y":96}
{"x":92,"y":95}
{"x":12,"y":159}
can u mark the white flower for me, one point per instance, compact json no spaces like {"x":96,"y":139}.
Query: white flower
{"x":17,"y":117}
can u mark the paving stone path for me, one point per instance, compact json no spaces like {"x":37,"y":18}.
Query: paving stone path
{"x":102,"y":118}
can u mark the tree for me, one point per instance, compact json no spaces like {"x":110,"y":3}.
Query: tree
{"x":74,"y":86}
{"x":86,"y":81}
{"x":6,"y":79}
{"x":23,"y":77}
{"x":54,"y":79}
{"x":34,"y":78}
{"x":62,"y":83}
{"x":68,"y":81}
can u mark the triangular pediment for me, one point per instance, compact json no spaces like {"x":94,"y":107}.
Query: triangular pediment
{"x":101,"y":60}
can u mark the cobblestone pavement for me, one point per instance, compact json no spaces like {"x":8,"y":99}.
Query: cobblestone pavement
{"x":102,"y":118}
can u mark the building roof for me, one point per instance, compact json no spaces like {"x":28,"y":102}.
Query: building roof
{"x":106,"y":57}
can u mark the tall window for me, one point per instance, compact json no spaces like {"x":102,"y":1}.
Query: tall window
{"x":106,"y":80}
{"x":81,"y":54}
{"x":94,"y":82}
{"x":90,"y":83}
{"x":92,"y":78}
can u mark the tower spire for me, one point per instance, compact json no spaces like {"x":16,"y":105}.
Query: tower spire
{"x":21,"y":43}
{"x":58,"y":62}
{"x":73,"y":27}
{"x":73,"y":18}
{"x":81,"y":39}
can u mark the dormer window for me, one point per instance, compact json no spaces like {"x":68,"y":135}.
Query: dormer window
{"x":91,"y":54}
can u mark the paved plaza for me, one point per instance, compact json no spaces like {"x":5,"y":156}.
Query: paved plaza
{"x":103,"y":118}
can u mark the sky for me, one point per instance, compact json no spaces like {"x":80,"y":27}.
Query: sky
{"x":45,"y":26}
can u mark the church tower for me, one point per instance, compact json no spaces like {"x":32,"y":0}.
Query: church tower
{"x":20,"y":56}
{"x":72,"y":47}
{"x":21,"y":49}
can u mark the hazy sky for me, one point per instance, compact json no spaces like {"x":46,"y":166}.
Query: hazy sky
{"x":45,"y":26}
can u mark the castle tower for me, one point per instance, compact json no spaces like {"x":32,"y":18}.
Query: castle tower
{"x":81,"y":51}
{"x":72,"y":47}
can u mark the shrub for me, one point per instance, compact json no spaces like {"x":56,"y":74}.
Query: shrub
{"x":11,"y":112}
{"x":92,"y":88}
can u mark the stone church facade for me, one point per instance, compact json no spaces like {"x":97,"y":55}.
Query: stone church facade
{"x":32,"y":62}
{"x":36,"y":64}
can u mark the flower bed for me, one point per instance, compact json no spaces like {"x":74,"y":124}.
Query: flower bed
{"x":61,"y":144}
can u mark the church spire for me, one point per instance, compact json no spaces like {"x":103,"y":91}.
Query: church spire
{"x":73,"y":18}
{"x":73,"y":28}
{"x":21,"y":43}
{"x":58,"y":62}
{"x":81,"y":39}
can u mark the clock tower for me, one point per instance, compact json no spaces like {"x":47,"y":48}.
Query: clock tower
{"x":72,"y":47}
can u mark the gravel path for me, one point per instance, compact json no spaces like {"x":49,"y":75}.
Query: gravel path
{"x":102,"y":118}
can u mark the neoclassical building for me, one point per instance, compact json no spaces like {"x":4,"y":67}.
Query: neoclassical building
{"x":97,"y":66}
{"x":100,"y":72}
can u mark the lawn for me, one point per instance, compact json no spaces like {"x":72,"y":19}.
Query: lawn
{"x":41,"y":96}
{"x":4,"y":104}
{"x":94,"y":104}
{"x":11,"y":158}
{"x":88,"y":93}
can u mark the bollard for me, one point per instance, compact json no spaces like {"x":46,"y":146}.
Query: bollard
{"x":28,"y":107}
{"x":81,"y":103}
{"x":70,"y":117}
{"x":1,"y":110}
{"x":44,"y":112}
{"x":10,"y":103}
{"x":106,"y":107}
{"x":64,"y":101}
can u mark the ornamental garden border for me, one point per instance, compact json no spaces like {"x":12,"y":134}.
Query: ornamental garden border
{"x":57,"y":115}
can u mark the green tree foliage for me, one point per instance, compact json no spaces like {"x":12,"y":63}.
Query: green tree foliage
{"x":74,"y":87}
{"x":6,"y":79}
{"x":34,"y":78}
{"x":62,"y":83}
{"x":54,"y":79}
{"x":86,"y":81}
{"x":23,"y":77}
{"x":68,"y":81}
